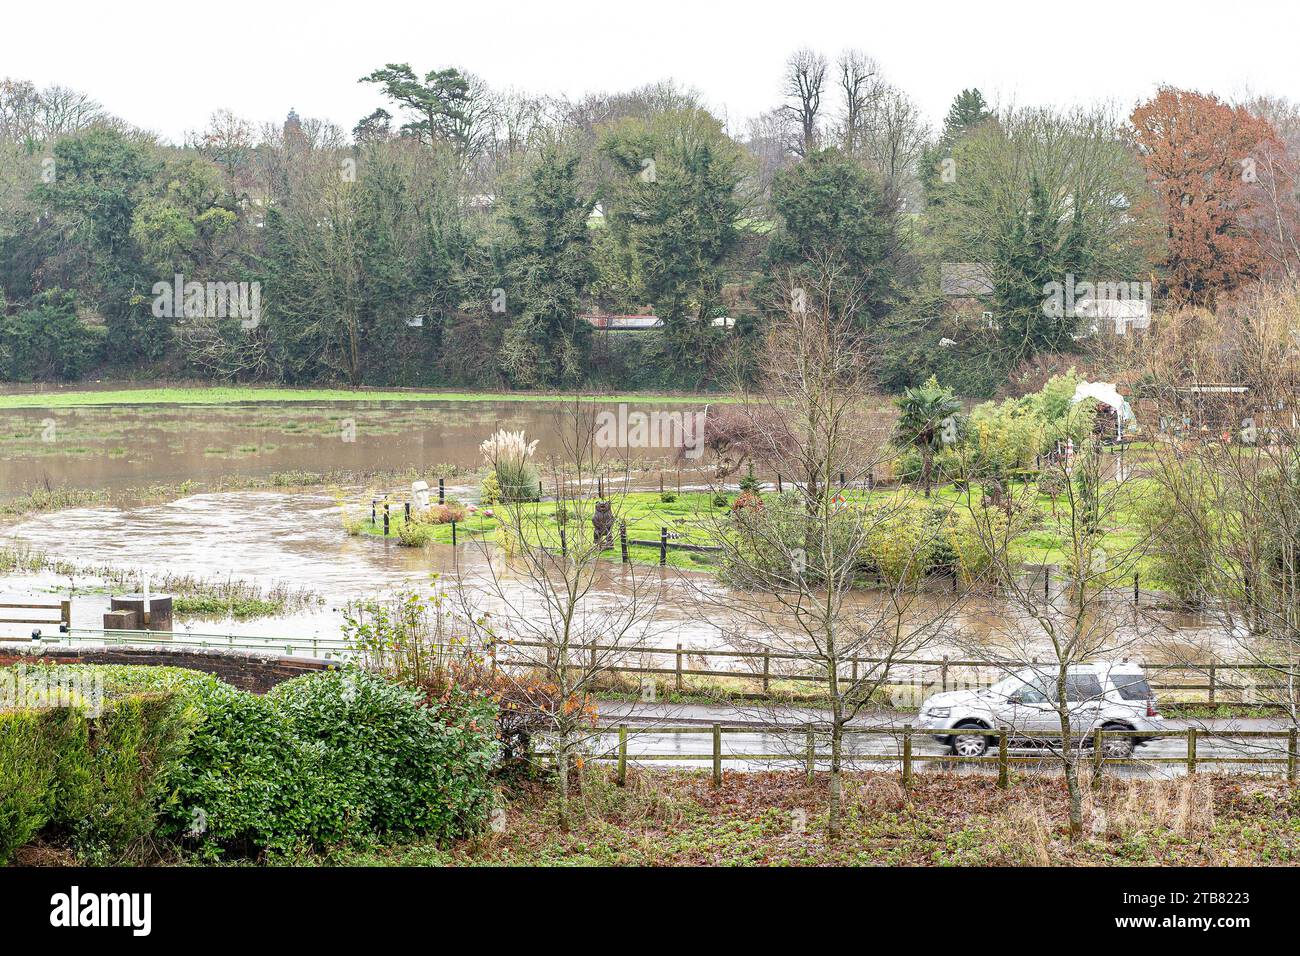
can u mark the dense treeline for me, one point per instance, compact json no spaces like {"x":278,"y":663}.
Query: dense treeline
{"x":456,"y":234}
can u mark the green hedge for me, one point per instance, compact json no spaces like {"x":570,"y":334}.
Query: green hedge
{"x":94,"y":785}
{"x":323,"y":759}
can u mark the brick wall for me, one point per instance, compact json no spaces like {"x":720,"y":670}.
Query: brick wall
{"x":247,"y":670}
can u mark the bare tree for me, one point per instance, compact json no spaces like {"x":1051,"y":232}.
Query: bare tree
{"x":796,"y":561}
{"x":1056,"y":623}
{"x":803,"y":86}
{"x":546,"y":593}
{"x":1226,"y":468}
{"x":859,"y":82}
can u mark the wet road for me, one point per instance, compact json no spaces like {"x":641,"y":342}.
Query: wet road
{"x":652,"y":741}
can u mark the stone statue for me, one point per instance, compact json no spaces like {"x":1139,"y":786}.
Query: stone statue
{"x":419,"y":496}
{"x":602,"y":523}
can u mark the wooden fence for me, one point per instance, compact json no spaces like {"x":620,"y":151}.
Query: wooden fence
{"x":61,"y":611}
{"x":808,"y":754}
{"x":935,"y":674}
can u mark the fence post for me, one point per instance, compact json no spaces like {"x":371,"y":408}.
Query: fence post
{"x":622,"y":755}
{"x":1290,"y":755}
{"x":1212,"y":683}
{"x":717,"y":755}
{"x":779,"y":489}
{"x":406,"y":511}
{"x":767,"y":665}
{"x":65,"y":612}
{"x":385,"y":519}
{"x":663,"y":546}
{"x":600,"y":487}
{"x":810,"y":756}
{"x":1098,"y":741}
{"x":1004,"y":775}
{"x":907,"y":756}
{"x":679,"y":668}
{"x":1191,"y":750}
{"x":943,"y":673}
{"x":622,"y":539}
{"x":453,"y":534}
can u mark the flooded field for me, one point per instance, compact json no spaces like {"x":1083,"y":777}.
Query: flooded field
{"x":296,"y":540}
{"x":118,"y":447}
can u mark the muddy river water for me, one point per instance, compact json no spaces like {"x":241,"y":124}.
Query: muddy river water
{"x":297,"y":540}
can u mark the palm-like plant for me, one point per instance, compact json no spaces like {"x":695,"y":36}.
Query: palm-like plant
{"x":927,"y":418}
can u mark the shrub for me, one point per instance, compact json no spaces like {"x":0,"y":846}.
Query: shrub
{"x":26,"y":778}
{"x":414,"y":534}
{"x":720,"y":500}
{"x":509,"y":454}
{"x":109,"y":807}
{"x":97,"y":785}
{"x":489,"y":491}
{"x":323,"y":759}
{"x":972,"y":536}
{"x":668,"y":497}
{"x":47,"y":340}
{"x":899,"y":540}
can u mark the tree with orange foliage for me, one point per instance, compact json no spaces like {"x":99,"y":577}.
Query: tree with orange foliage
{"x":1201,"y":156}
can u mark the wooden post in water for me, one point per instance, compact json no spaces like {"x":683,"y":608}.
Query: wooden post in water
{"x":717,"y":755}
{"x":622,"y":540}
{"x":663,"y":546}
{"x":1004,"y":774}
{"x":907,"y":756}
{"x":622,"y":755}
{"x":385,"y":519}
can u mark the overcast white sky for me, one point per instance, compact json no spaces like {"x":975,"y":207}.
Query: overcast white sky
{"x":167,"y":65}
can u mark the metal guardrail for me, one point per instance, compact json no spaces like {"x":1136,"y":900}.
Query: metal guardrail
{"x":292,"y":646}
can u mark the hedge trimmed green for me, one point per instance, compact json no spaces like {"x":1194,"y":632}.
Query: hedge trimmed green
{"x":322,"y":760}
{"x":94,"y":785}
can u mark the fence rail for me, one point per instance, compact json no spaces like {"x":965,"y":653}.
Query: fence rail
{"x":764,"y":666}
{"x":809,"y":754}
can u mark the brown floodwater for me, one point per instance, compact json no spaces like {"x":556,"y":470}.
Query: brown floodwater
{"x":297,"y":540}
{"x":122,"y":447}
